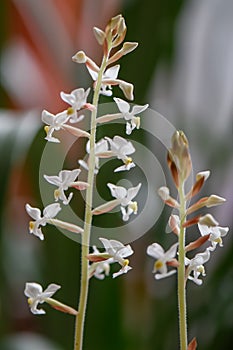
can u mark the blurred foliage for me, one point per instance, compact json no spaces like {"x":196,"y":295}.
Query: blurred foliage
{"x":133,"y":313}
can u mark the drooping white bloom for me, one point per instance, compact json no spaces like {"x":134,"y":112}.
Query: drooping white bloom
{"x":132,"y":121}
{"x":196,"y":267}
{"x":54,"y":122}
{"x":162,"y":259}
{"x":216,"y":233}
{"x":36,"y":295}
{"x":125,"y":199}
{"x":121,"y":148}
{"x":49,"y":212}
{"x":115,"y":251}
{"x":77,"y":99}
{"x":64,"y":180}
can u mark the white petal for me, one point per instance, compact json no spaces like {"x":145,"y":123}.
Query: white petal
{"x":155,"y":250}
{"x":159,"y":276}
{"x":122,"y":105}
{"x":50,"y":290}
{"x":51,"y":210}
{"x":139,"y":109}
{"x":32,"y":290}
{"x":35,"y":213}
{"x":112,"y":72}
{"x":171,"y":253}
{"x":117,"y":191}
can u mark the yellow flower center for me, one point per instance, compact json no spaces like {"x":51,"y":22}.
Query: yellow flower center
{"x":128,"y":161}
{"x":126,"y":262}
{"x":70,"y":111}
{"x":46,"y":129}
{"x":134,"y":207}
{"x":31,"y":225}
{"x":158,"y":265}
{"x":57,"y":194}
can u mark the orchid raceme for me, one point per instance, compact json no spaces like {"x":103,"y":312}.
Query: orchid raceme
{"x":64,"y":180}
{"x":163,"y":259}
{"x":49,"y":212}
{"x":180,"y":165}
{"x":115,"y":251}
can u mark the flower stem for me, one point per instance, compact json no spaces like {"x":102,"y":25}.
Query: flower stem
{"x":80,"y":318}
{"x":181,"y":273}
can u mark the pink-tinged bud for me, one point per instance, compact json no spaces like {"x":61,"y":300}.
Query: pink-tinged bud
{"x":61,"y":307}
{"x":164,"y":194}
{"x":214,"y":200}
{"x":76,"y":131}
{"x":66,"y":225}
{"x":192,"y":221}
{"x":208,"y":220}
{"x":193,"y":344}
{"x":180,"y":156}
{"x":80,"y":185}
{"x":129,"y":47}
{"x":203,"y":174}
{"x":196,"y":244}
{"x":174,"y":224}
{"x":173,"y":169}
{"x":99,"y":35}
{"x":98,"y":257}
{"x":127,"y":89}
{"x":106,"y":207}
{"x":80,"y":57}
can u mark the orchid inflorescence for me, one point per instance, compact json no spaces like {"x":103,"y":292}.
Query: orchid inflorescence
{"x":95,"y":263}
{"x":210,"y":235}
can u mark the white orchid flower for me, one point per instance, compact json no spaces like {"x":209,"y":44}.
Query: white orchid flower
{"x":163,"y":259}
{"x":216,"y":233}
{"x":64,"y":180}
{"x":125,"y":197}
{"x":121,"y":148}
{"x":132,"y":121}
{"x":49,"y":212}
{"x":115,"y":251}
{"x":36,"y":295}
{"x":58,"y":121}
{"x":196,"y":267}
{"x":77,"y":99}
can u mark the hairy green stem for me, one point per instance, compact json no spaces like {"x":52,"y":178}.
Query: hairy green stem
{"x":80,"y":318}
{"x":181,"y":274}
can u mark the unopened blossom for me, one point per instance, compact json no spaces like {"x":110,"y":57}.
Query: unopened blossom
{"x":195,"y":266}
{"x":121,"y":148}
{"x":125,"y":197}
{"x":49,"y":212}
{"x":64,"y":180}
{"x":54,"y":122}
{"x":163,"y":259}
{"x":132,"y":121}
{"x":77,"y":99}
{"x":36,"y":295}
{"x":216,"y":233}
{"x":115,"y":251}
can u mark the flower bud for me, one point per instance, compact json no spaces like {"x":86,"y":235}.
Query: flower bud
{"x":127,"y":89}
{"x":208,"y":220}
{"x":214,"y":200}
{"x":99,"y":35}
{"x":80,"y":57}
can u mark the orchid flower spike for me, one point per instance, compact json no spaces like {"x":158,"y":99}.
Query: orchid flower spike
{"x":49,"y":212}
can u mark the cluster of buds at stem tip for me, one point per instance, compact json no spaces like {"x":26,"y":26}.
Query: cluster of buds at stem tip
{"x":178,"y":158}
{"x":112,"y":37}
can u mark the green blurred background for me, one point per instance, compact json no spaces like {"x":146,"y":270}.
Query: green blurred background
{"x":183,"y":68}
